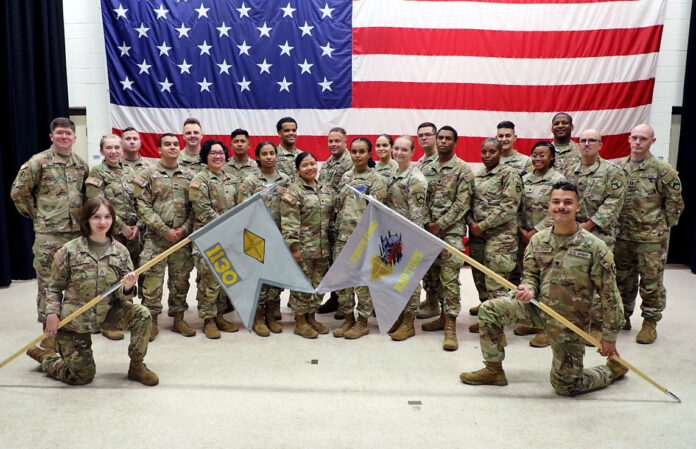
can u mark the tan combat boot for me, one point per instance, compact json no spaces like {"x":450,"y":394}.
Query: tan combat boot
{"x":210,"y":329}
{"x":302,"y":328}
{"x":316,"y":325}
{"x":526,"y":330}
{"x":271,"y":321}
{"x":450,"y":343}
{"x":474,"y":328}
{"x":38,"y":353}
{"x":430,"y":307}
{"x":397,"y":323}
{"x":540,"y":341}
{"x":138,"y":371}
{"x":473,"y":311}
{"x":112,"y":335}
{"x":435,"y":325}
{"x":347,"y":324}
{"x":648,"y":333}
{"x":259,"y":326}
{"x":492,"y":374}
{"x":358,"y":330}
{"x":617,"y":369}
{"x":224,"y":325}
{"x":180,"y":326}
{"x":406,"y":329}
{"x":153,"y":329}
{"x":627,"y":324}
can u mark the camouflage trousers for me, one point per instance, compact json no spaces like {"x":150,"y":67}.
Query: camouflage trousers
{"x":596,"y":309}
{"x":647,"y":260}
{"x":134,"y":247}
{"x":568,"y":376}
{"x":180,"y":265}
{"x":442,"y":279}
{"x":498,"y":253}
{"x":269,"y":295}
{"x":413,"y":301}
{"x":314,"y":269}
{"x":210,"y":296}
{"x":346,"y":297}
{"x":516,"y":274}
{"x":74,"y":363}
{"x":44,"y":248}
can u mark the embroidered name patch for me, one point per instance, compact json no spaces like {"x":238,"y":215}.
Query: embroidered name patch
{"x":582,"y":254}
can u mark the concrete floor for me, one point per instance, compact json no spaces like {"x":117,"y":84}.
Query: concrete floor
{"x":285,"y":391}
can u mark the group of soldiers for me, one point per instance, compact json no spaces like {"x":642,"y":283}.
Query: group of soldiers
{"x":628,"y":205}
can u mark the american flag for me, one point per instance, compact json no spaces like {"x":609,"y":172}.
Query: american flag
{"x":382,"y":66}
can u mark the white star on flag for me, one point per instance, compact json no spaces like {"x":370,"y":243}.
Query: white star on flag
{"x":243,"y":11}
{"x":124,"y":49}
{"x":120,"y":11}
{"x":224,"y":30}
{"x":244,"y":84}
{"x":126,"y":84}
{"x":326,"y":50}
{"x":184,"y":67}
{"x":183,"y":31}
{"x":306,"y":67}
{"x":306,"y":29}
{"x":164,"y":48}
{"x":264,"y":66}
{"x":205,"y":85}
{"x":205,"y":48}
{"x":326,"y":84}
{"x":166,"y":85}
{"x":142,"y":31}
{"x":285,"y":49}
{"x":224,"y":67}
{"x":265,"y":30}
{"x":244,"y":49}
{"x":288,"y":10}
{"x":144,"y":67}
{"x":326,"y":11}
{"x":284,"y":85}
{"x":202,"y":11}
{"x":161,"y":12}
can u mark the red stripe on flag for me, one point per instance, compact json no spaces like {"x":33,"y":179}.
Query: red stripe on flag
{"x":493,"y":97}
{"x":468,"y":148}
{"x":507,"y":44}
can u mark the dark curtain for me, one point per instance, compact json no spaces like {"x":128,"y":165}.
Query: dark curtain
{"x":682,"y":246}
{"x":33,"y":91}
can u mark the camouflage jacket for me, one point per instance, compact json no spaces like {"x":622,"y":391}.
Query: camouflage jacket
{"x":190,"y":161}
{"x":211,"y":195}
{"x":600,"y":190}
{"x":406,"y":195}
{"x":349,"y":209}
{"x":163,"y":201}
{"x":567,"y":156}
{"x":426,"y":160}
{"x":496,"y":200}
{"x":78,"y":275}
{"x":449,"y":194}
{"x":285,"y":162}
{"x":305,"y":217}
{"x":50,"y":191}
{"x":332,"y":171}
{"x":138,"y":165}
{"x":566,"y":277}
{"x":653,"y":201}
{"x":257,"y":182}
{"x":242,"y":169}
{"x":386,"y":170}
{"x":116,"y":185}
{"x":518,"y":161}
{"x":536,"y":192}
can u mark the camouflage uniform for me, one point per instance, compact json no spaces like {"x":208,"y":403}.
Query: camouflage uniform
{"x":252,"y":184}
{"x":163,"y":204}
{"x":565,"y":275}
{"x":406,"y":194}
{"x":242,"y":169}
{"x":496,"y":200}
{"x":350,"y":211}
{"x":78,"y":275}
{"x":49,"y":190}
{"x":387,"y":170}
{"x":523,"y":165}
{"x":138,"y":165}
{"x":135,"y":246}
{"x":652,"y":204}
{"x":116,"y":185}
{"x":305,"y":215}
{"x":285,"y":162}
{"x":567,"y":155}
{"x":333,"y":169}
{"x":190,"y":161}
{"x":211,"y":195}
{"x":448,"y":200}
{"x":426,"y":160}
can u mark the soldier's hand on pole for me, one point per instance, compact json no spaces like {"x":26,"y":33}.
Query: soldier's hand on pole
{"x":524,"y":294}
{"x":51,"y":324}
{"x":608,"y":349}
